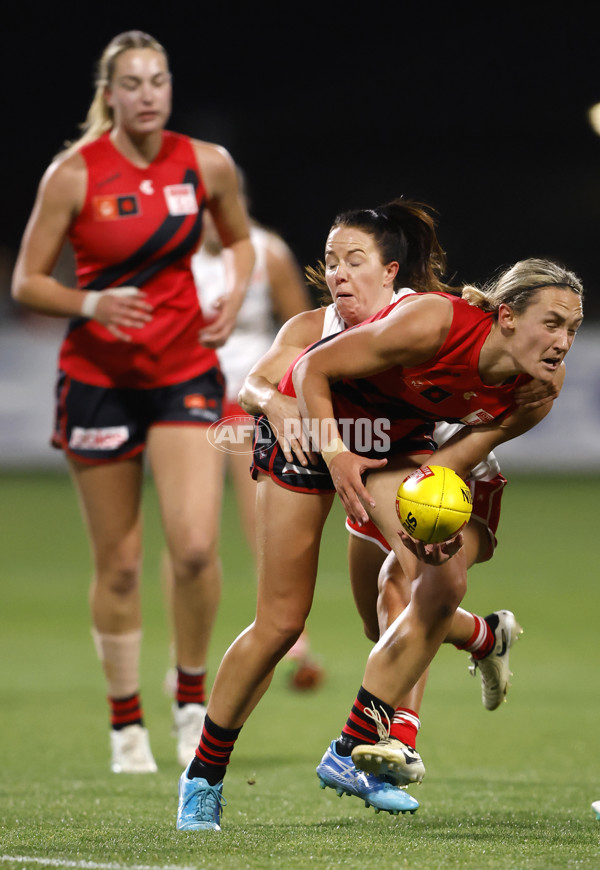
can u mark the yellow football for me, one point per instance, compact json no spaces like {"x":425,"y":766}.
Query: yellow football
{"x":433,"y":503}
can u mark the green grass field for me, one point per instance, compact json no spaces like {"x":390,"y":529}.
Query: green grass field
{"x":508,"y":789}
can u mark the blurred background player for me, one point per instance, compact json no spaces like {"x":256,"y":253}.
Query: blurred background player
{"x":134,"y":378}
{"x":276,"y":292}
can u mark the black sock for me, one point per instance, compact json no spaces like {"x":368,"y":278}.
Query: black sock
{"x":360,"y":727}
{"x":212,"y":756}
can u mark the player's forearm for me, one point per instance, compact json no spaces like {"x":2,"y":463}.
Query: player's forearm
{"x":463,"y":454}
{"x":238,"y":259}
{"x":46,"y":295}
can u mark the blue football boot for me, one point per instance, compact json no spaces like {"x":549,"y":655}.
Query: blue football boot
{"x":339,"y":773}
{"x":200,"y":804}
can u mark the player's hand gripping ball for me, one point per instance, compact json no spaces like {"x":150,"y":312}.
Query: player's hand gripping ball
{"x":433,"y":503}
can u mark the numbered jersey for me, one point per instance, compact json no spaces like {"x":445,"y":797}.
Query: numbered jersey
{"x":139,"y":227}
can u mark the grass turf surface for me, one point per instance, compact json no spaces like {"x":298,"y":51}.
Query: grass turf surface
{"x":508,"y":789}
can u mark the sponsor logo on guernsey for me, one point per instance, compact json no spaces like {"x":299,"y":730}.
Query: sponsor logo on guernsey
{"x":147,"y":187}
{"x":114,"y":207}
{"x":477,"y":418}
{"x":107,"y":438}
{"x":180,"y":199}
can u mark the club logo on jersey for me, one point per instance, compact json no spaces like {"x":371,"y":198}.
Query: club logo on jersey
{"x":147,"y":187}
{"x":113,"y":207}
{"x":435,"y":394}
{"x":477,"y":418}
{"x":181,"y":199}
{"x":429,"y":391}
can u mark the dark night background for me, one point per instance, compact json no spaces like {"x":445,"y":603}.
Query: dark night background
{"x":478,"y":109}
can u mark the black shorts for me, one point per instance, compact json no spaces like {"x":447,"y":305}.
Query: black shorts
{"x":269,"y":458}
{"x":101,"y":424}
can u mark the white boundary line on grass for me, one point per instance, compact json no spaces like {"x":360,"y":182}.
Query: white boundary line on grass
{"x":88,"y":865}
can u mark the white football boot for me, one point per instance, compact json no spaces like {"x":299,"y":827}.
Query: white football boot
{"x":389,"y":757}
{"x":494,"y":668}
{"x":131,"y":751}
{"x":188,"y":722}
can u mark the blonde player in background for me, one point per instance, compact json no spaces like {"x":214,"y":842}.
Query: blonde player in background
{"x":134,"y":379}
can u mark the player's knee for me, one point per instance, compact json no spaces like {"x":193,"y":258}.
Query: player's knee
{"x":280,"y":635}
{"x":121,"y":579}
{"x":192,"y":560}
{"x":289,"y":631}
{"x":450,"y":597}
{"x":435,"y":598}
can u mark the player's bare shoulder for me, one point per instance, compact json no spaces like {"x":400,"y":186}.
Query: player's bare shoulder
{"x":304,"y":328}
{"x":425,"y":318}
{"x":64,"y":182}
{"x":216,"y":165}
{"x":62,"y":189}
{"x":276,"y":249}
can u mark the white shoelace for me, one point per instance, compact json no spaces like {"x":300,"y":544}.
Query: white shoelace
{"x":383,"y":730}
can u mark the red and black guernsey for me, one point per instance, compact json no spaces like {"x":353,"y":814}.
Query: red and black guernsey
{"x":446,"y":387}
{"x":140,"y":227}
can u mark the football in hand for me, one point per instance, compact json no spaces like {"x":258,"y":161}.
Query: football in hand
{"x":433,"y":503}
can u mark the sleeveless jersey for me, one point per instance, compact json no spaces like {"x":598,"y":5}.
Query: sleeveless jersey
{"x":140,"y":227}
{"x":445,"y":387}
{"x":254,"y":328}
{"x":489,"y":468}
